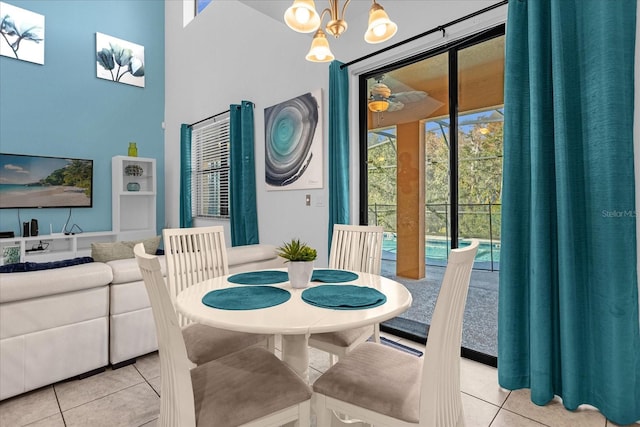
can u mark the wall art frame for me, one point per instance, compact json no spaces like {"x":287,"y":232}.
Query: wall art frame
{"x":21,"y":34}
{"x":119,"y":60}
{"x":293,"y":143}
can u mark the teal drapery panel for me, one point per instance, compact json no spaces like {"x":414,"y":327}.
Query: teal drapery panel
{"x":186,"y":217}
{"x":568,"y":302}
{"x":242,"y":176}
{"x":338,"y":146}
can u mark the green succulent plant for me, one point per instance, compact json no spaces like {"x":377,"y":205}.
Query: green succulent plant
{"x":297,"y":251}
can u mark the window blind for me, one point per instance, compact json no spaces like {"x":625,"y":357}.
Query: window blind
{"x":210,"y":168}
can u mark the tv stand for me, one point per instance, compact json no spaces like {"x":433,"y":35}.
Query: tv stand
{"x":55,"y":247}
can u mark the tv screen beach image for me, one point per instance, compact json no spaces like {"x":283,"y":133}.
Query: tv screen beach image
{"x":44,"y":182}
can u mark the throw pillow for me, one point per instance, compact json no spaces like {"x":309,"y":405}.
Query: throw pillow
{"x":104,"y":252}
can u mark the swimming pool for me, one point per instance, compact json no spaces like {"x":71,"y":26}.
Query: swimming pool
{"x":436,"y":251}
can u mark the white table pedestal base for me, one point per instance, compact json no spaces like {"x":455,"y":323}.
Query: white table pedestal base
{"x":295,"y":353}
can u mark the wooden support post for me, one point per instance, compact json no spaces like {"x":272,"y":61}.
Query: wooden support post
{"x":411,"y":192}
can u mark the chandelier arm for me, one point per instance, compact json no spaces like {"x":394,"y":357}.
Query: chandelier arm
{"x":344,"y":8}
{"x":326,"y":10}
{"x":333,"y":6}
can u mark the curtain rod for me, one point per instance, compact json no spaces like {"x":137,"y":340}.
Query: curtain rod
{"x":210,"y":117}
{"x":426,"y":33}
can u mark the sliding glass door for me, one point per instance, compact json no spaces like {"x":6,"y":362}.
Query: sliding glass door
{"x":432,"y":140}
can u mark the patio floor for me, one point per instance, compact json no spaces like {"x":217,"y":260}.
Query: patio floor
{"x":480,"y":326}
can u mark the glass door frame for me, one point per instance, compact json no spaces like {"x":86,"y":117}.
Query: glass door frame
{"x":452,"y":50}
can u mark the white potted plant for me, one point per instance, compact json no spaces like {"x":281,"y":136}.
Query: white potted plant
{"x":300,"y":258}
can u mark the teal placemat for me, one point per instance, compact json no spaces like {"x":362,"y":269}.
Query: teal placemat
{"x":266,"y":277}
{"x":344,"y":297}
{"x":333,"y":276}
{"x":246,"y":297}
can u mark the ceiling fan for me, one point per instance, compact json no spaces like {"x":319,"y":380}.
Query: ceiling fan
{"x":381,"y":99}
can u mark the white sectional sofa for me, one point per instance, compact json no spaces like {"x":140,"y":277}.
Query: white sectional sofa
{"x":60,"y":323}
{"x":54,"y":324}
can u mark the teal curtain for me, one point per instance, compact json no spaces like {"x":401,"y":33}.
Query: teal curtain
{"x":338,"y":146}
{"x":568,"y":302}
{"x":242,"y":176}
{"x":186,"y":217}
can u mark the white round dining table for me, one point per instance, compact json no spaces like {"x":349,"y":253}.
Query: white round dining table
{"x":294,"y":319}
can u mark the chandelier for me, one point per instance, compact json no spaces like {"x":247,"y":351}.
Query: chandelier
{"x":303,"y":18}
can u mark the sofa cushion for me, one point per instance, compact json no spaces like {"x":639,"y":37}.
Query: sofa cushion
{"x":36,"y":266}
{"x":109,"y":251}
{"x":32,"y":284}
{"x":125,"y":297}
{"x":126,"y":270}
{"x":52,"y":311}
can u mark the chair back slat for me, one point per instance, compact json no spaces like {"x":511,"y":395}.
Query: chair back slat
{"x":357,"y":248}
{"x":193,"y":255}
{"x":441,"y":372}
{"x":176,"y":394}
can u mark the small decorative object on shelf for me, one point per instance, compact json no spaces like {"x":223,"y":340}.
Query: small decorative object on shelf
{"x":133,"y":186}
{"x":133,"y":149}
{"x":10,"y":255}
{"x":300,"y":257}
{"x":133,"y":170}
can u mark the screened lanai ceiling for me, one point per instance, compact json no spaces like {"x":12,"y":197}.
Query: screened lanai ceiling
{"x":479,"y":88}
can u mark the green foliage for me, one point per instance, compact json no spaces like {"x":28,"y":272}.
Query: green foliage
{"x":479,"y":180}
{"x":381,"y":161}
{"x":297,"y":251}
{"x":75,"y":174}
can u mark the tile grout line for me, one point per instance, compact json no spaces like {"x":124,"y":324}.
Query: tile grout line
{"x":55,"y":393}
{"x":146,"y":380}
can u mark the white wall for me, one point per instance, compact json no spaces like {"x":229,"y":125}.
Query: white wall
{"x":231,"y":53}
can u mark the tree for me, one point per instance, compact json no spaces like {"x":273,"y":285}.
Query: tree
{"x":479,"y":177}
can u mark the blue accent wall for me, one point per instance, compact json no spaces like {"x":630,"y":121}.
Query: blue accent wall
{"x":62,"y":109}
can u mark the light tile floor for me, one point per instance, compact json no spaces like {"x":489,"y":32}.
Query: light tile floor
{"x":129,"y":396}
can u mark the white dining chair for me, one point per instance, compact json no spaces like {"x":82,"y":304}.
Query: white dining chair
{"x":383,"y":386}
{"x":251,"y":387}
{"x":194,"y":255}
{"x":355,"y":248}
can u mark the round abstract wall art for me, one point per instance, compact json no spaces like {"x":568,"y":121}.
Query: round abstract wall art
{"x":291,"y":143}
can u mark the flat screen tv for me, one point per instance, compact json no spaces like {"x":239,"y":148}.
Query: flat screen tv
{"x":45,"y":182}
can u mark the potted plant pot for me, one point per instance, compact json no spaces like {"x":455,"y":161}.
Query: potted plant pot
{"x":300,"y":258}
{"x":300,"y":273}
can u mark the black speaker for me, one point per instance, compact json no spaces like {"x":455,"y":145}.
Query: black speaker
{"x":25,"y":229}
{"x":34,"y":227}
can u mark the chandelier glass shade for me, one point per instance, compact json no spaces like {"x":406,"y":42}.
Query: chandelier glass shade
{"x":303,"y":17}
{"x":320,"y":51}
{"x":380,"y":27}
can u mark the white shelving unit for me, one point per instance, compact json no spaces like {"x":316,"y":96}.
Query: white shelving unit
{"x":55,"y":247}
{"x":133,"y":204}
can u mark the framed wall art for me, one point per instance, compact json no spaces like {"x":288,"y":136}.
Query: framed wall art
{"x":293,"y":143}
{"x":21,"y":34}
{"x":119,"y":60}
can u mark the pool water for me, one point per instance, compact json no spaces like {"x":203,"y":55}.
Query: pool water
{"x":439,"y":249}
